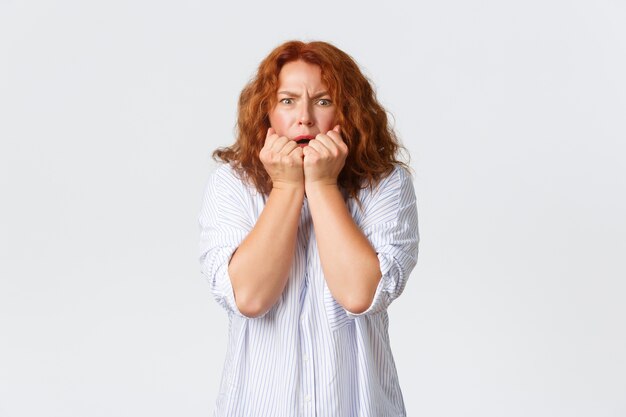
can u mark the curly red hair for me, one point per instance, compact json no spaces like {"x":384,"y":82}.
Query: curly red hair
{"x":373,"y":146}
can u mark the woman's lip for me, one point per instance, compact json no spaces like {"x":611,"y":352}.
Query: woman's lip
{"x":302,"y":137}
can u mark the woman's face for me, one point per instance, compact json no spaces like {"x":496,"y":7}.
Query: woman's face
{"x":304,"y":107}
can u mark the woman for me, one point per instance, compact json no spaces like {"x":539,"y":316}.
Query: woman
{"x":308,"y":232}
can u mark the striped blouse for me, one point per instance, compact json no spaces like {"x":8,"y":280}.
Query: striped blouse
{"x":307,"y":355}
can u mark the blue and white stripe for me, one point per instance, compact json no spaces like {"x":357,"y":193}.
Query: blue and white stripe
{"x":308,"y":356}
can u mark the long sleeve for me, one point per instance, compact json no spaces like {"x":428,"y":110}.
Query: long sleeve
{"x":307,"y":356}
{"x":224,"y":222}
{"x":389,"y":221}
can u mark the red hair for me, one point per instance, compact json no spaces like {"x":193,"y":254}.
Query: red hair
{"x":373,"y":147}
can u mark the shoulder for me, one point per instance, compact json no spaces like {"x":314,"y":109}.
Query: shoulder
{"x":228,"y":187}
{"x":398,"y":179}
{"x":224,"y":171}
{"x":227,"y":176}
{"x":383,"y":201}
{"x":398,"y":176}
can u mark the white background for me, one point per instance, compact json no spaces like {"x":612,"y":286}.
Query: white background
{"x":514,"y":114}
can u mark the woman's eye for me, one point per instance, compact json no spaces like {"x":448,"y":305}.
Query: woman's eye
{"x":324,"y":102}
{"x":286,"y":101}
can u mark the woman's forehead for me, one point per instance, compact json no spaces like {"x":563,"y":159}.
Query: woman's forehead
{"x":300,"y":73}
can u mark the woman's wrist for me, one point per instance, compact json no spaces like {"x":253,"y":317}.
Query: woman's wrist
{"x":288,"y":186}
{"x":315,"y":189}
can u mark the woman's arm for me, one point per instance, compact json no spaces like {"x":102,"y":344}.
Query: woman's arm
{"x":350,"y":264}
{"x":260,"y":266}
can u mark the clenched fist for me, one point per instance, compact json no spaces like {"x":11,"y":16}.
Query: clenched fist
{"x":283,"y":160}
{"x":324,"y":158}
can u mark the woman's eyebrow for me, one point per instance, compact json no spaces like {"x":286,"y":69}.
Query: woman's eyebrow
{"x":292,"y":94}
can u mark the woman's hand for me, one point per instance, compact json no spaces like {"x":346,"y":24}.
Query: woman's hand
{"x":324,"y":158}
{"x":282,"y":159}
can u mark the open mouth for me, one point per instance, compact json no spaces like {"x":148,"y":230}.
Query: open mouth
{"x":304,"y":139}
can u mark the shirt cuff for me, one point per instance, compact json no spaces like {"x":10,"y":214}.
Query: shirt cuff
{"x":223,"y":291}
{"x":381,"y":296}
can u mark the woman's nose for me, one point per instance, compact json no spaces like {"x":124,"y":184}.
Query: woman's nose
{"x":306,"y":117}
